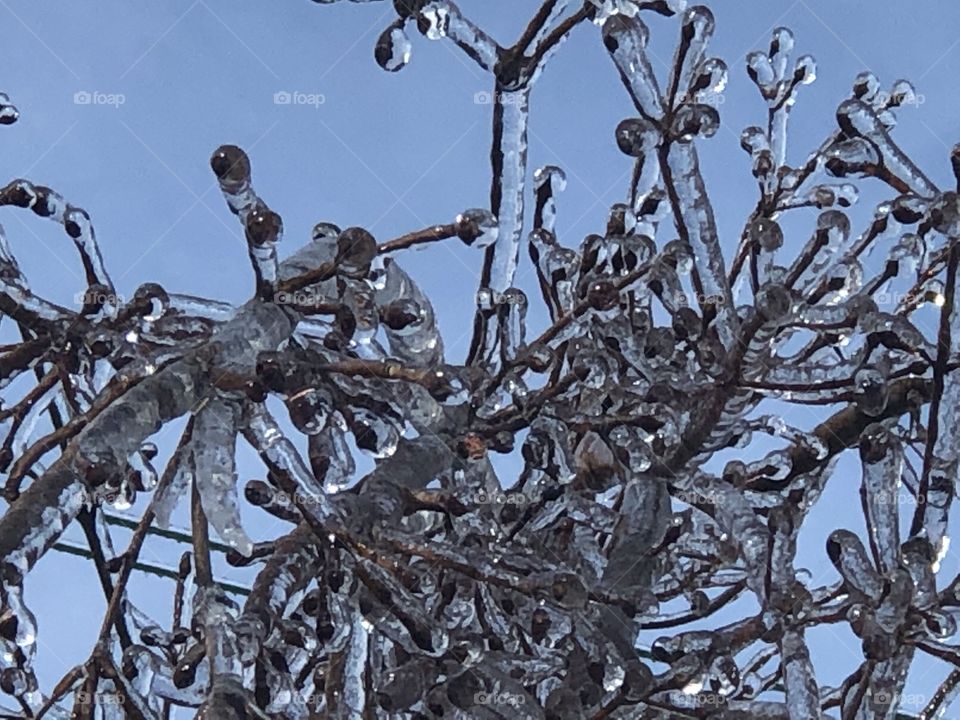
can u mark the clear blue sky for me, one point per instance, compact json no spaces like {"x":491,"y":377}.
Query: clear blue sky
{"x":391,"y":152}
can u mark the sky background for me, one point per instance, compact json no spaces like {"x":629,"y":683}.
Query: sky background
{"x":392,"y":153}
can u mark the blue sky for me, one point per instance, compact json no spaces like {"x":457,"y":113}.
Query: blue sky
{"x":390,"y":152}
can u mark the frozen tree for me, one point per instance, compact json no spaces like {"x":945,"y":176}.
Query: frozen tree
{"x":430,"y":587}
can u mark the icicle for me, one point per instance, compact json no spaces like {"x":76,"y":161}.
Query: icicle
{"x":881,"y":458}
{"x":353,"y":692}
{"x":213,"y":447}
{"x":626,"y":40}
{"x":409,"y":320}
{"x":557,"y":268}
{"x":514,"y":303}
{"x":330,"y":458}
{"x":735,"y":515}
{"x":182,"y":476}
{"x":510,"y":166}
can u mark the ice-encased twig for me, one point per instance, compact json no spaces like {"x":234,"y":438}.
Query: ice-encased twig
{"x":282,"y":458}
{"x":882,"y":461}
{"x":803,"y":696}
{"x":696,"y":225}
{"x":50,"y":204}
{"x":263,"y":227}
{"x":857,"y":119}
{"x":443,"y":18}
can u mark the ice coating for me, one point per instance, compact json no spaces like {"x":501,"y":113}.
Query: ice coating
{"x":440,"y":579}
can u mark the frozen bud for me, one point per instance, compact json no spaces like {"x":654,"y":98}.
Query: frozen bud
{"x":866,"y":85}
{"x":309,"y":409}
{"x":258,"y":493}
{"x":568,"y":590}
{"x":270,"y":370}
{"x":806,"y":70}
{"x":774,"y":301}
{"x":760,"y":70}
{"x":402,"y":314}
{"x":539,"y":357}
{"x":595,"y":463}
{"x":686,"y":323}
{"x":875,"y":444}
{"x":621,"y":221}
{"x":263,"y":227}
{"x":908,"y":209}
{"x":503,"y":442}
{"x":150,"y":301}
{"x":14,"y":681}
{"x":603,"y":295}
{"x":767,"y":233}
{"x":754,"y":139}
{"x":472,"y":446}
{"x":231,"y":166}
{"x":324,"y":232}
{"x":155,"y":636}
{"x":636,"y":137}
{"x":539,"y":625}
{"x":75,"y":221}
{"x":694,"y":120}
{"x":477,"y":228}
{"x":356,"y":249}
{"x":550,"y":175}
{"x":8,"y":113}
{"x":94,"y":298}
{"x":392,"y":51}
